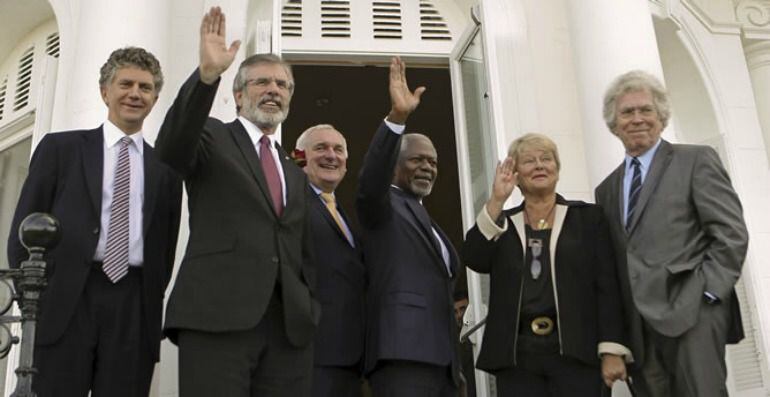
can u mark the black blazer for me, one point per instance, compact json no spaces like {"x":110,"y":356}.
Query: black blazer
{"x":238,"y":246}
{"x":586,"y":286}
{"x":410,"y":312}
{"x":339,"y":340}
{"x":65,"y":180}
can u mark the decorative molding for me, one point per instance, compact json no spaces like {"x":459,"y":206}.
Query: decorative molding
{"x":754,"y":17}
{"x":757,"y":54}
{"x":710,"y":21}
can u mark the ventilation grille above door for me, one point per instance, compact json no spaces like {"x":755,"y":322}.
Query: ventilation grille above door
{"x":432,"y":24}
{"x":386,"y":16}
{"x":370,"y":26}
{"x":335,"y":18}
{"x":291,"y":19}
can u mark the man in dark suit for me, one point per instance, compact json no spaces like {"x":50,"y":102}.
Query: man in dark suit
{"x":411,"y":331}
{"x":119,"y":208}
{"x":674,"y":213}
{"x":241,"y":311}
{"x":339,"y":342}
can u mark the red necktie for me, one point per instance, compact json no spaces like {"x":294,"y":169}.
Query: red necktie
{"x":271,"y":174}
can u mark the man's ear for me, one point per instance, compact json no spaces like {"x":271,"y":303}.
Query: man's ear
{"x":238,"y":95}
{"x":103,"y":91}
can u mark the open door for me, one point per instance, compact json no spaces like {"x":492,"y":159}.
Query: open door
{"x":477,"y":158}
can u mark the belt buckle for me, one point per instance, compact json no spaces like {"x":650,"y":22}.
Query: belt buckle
{"x":542,"y":326}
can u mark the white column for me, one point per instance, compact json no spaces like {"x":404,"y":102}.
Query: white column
{"x":94,"y":28}
{"x":608,"y":38}
{"x":758,"y":60}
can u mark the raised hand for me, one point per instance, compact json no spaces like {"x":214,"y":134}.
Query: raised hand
{"x":402,"y":101}
{"x":506,"y":179}
{"x":215,"y":56}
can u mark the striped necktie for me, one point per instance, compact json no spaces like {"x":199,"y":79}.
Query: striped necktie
{"x":115,"y":264}
{"x":633,"y":193}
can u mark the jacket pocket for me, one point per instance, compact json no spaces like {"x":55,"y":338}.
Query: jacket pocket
{"x":215,"y":245}
{"x":676,"y":268}
{"x":407,"y":298}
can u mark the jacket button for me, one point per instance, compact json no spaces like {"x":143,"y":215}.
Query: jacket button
{"x":274,"y":259}
{"x":96,"y":230}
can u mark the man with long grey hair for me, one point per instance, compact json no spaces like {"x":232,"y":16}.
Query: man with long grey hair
{"x":678,"y":225}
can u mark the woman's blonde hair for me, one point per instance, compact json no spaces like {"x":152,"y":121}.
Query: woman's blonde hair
{"x":533,"y":141}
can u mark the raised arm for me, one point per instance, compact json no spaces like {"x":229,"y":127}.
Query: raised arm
{"x":372,"y":200}
{"x":179,"y":143}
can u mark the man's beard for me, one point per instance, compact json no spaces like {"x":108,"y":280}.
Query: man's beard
{"x":419,"y":190}
{"x":262,"y":119}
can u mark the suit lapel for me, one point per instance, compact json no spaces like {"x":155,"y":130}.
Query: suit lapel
{"x":327,"y":216}
{"x":294,"y":179}
{"x":453,"y":257}
{"x":152,"y":175}
{"x":660,"y":162}
{"x":615,"y":197}
{"x":421,"y":221}
{"x":93,"y":166}
{"x":249,"y":153}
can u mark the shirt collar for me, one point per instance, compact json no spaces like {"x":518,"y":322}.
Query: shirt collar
{"x":317,"y":190}
{"x":255,"y":134}
{"x":645,"y":159}
{"x":113,"y":134}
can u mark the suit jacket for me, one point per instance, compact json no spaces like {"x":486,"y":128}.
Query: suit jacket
{"x":238,"y":248}
{"x":583,"y":273}
{"x":341,"y":283}
{"x":410,"y":312}
{"x":687,"y":237}
{"x":65,"y":180}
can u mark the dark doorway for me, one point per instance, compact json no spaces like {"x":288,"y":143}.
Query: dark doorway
{"x":355,"y":100}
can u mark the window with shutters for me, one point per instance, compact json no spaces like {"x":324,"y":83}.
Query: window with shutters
{"x":3,"y":91}
{"x":23,"y":80}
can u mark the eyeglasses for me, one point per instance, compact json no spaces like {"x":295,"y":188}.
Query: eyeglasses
{"x":265,"y":81}
{"x":535,"y":268}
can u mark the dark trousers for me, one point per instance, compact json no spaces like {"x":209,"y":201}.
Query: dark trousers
{"x":398,"y":378}
{"x":542,"y":372}
{"x":336,"y":381}
{"x":690,"y":365}
{"x":259,"y":362}
{"x":105,"y":348}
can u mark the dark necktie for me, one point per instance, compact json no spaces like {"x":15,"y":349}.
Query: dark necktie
{"x":271,"y":174}
{"x":633,"y":193}
{"x":115,"y":264}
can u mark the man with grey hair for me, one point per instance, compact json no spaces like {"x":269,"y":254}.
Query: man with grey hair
{"x":339,"y":342}
{"x":242,"y":310}
{"x":675,"y":215}
{"x":118,"y":207}
{"x":411,"y":347}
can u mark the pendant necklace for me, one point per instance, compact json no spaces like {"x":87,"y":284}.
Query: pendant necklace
{"x":542,"y":223}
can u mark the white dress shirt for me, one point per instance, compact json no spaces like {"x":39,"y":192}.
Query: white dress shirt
{"x":255,"y":134}
{"x":111,"y":147}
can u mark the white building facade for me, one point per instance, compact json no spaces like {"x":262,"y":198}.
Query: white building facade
{"x":512,"y":66}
